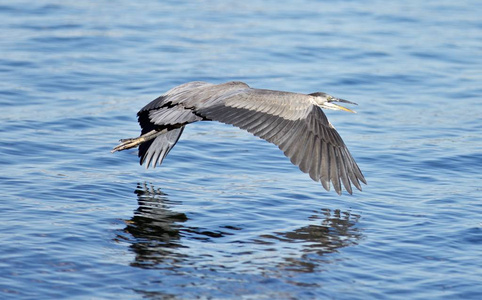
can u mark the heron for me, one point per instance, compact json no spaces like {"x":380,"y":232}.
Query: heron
{"x":294,"y":122}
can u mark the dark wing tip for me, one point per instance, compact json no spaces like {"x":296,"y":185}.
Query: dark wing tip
{"x":154,"y":151}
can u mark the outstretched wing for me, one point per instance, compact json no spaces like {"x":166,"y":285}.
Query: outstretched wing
{"x":299,"y":128}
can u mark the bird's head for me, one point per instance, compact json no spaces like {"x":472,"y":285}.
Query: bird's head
{"x":324,"y":100}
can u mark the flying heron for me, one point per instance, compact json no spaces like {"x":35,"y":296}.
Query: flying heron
{"x":292,"y":121}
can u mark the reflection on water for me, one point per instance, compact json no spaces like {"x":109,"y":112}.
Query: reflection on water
{"x":159,"y":237}
{"x":337,"y":230}
{"x":154,"y":227}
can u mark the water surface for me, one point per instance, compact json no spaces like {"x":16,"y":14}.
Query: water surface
{"x":227,"y":215}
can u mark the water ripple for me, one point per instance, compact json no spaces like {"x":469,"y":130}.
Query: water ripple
{"x":228,"y":216}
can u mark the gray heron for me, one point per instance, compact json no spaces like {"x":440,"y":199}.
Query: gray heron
{"x":292,"y":121}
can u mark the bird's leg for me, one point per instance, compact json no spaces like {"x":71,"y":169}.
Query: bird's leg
{"x":134,"y":142}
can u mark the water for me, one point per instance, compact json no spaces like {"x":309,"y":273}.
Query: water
{"x":227,"y":215}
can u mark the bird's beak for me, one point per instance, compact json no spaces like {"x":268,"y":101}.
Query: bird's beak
{"x":330,"y":105}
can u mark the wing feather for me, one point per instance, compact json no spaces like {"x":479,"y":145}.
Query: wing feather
{"x":292,"y":148}
{"x":334,"y":176}
{"x":269,"y":132}
{"x":343,"y":172}
{"x":309,"y":161}
{"x":310,"y":141}
{"x":297,"y":147}
{"x":325,"y":166}
{"x":316,"y":167}
{"x":154,"y":151}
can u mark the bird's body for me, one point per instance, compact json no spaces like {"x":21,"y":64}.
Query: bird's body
{"x":292,"y":121}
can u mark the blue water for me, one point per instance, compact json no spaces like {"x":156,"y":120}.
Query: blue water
{"x":227,"y":216}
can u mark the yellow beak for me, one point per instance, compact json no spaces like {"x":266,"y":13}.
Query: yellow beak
{"x":331,"y":105}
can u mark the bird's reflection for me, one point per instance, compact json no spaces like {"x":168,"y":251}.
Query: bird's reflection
{"x":159,"y":236}
{"x":154,"y":227}
{"x":337,"y":230}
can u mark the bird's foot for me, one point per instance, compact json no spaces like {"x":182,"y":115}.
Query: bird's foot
{"x":128,"y":144}
{"x":134,"y":142}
